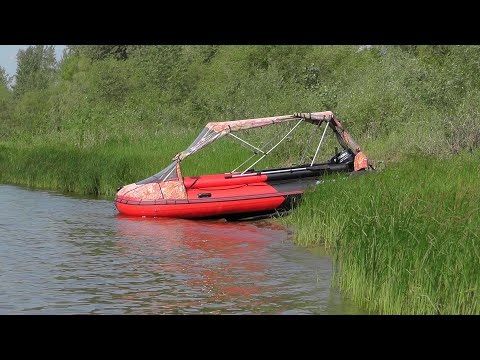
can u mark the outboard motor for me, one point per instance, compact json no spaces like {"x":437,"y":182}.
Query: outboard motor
{"x":343,"y":157}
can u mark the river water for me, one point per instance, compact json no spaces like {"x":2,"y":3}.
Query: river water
{"x":70,"y":255}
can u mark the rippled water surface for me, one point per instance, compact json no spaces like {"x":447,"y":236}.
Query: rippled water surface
{"x":68,"y":255}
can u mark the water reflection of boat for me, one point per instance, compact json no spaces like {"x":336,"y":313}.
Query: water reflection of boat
{"x":243,"y":192}
{"x":225,"y":263}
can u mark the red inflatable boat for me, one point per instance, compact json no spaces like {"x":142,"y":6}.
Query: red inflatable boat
{"x":239,"y":194}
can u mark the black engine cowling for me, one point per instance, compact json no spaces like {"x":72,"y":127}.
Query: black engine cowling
{"x":343,"y":157}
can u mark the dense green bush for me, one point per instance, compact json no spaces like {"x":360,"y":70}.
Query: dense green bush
{"x":384,"y":94}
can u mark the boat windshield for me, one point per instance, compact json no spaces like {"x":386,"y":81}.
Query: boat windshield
{"x":206,"y":137}
{"x":170,"y":172}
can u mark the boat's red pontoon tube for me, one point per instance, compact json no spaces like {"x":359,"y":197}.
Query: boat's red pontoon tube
{"x":238,"y":194}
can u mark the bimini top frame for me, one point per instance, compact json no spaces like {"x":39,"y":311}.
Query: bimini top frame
{"x":215,"y":130}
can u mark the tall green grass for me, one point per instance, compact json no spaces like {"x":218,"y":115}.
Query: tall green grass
{"x":100,"y":169}
{"x":404,"y":240}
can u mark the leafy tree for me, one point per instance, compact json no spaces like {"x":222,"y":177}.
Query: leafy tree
{"x":36,"y":67}
{"x":5,"y":104}
{"x":160,"y":66}
{"x":4,"y":79}
{"x":100,"y":52}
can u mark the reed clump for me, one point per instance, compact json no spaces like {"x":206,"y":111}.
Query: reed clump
{"x":404,"y":240}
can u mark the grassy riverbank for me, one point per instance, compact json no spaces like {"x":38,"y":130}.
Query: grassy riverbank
{"x":99,"y":170}
{"x":405,"y":240}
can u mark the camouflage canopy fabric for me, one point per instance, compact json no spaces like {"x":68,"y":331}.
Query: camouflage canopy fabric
{"x":215,"y":130}
{"x":167,"y":184}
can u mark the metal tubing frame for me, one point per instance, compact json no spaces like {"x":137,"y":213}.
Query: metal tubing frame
{"x":245,"y":142}
{"x":170,"y":172}
{"x":320,"y":143}
{"x":308,"y":143}
{"x":270,"y":172}
{"x":269,"y":151}
{"x":255,"y":154}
